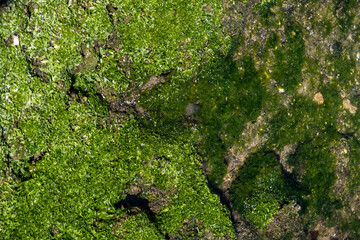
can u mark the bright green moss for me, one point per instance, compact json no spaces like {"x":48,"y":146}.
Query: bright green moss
{"x":87,"y":179}
{"x":68,"y":154}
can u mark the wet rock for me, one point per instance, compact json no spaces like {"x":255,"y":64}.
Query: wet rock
{"x":238,"y":154}
{"x":134,"y":189}
{"x":324,"y":232}
{"x":348,"y":106}
{"x":207,"y":8}
{"x":157,"y":199}
{"x":192,"y":109}
{"x":319,"y":98}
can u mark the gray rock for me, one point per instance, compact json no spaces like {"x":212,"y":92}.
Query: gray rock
{"x":192,"y":109}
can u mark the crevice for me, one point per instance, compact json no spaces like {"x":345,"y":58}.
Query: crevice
{"x":37,"y":157}
{"x":223,"y":200}
{"x":24,"y":172}
{"x":29,"y":11}
{"x":74,"y":92}
{"x":112,"y":13}
{"x":72,"y":88}
{"x":4,"y":4}
{"x":135,"y":204}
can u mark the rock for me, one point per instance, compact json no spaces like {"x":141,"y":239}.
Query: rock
{"x":15,"y":40}
{"x":284,"y":154}
{"x":348,"y":106}
{"x":285,"y":223}
{"x":319,"y":98}
{"x":192,"y":109}
{"x":153,"y":81}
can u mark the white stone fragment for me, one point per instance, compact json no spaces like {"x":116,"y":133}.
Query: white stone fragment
{"x":15,"y":39}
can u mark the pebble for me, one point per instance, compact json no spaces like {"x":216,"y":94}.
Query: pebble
{"x":348,"y":106}
{"x":192,"y":109}
{"x":319,"y":98}
{"x":15,"y":39}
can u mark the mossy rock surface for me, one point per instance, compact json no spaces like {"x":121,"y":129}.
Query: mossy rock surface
{"x":179,"y":119}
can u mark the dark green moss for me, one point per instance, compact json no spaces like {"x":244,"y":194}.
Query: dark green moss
{"x":354,"y":163}
{"x":345,"y":12}
{"x":264,"y":9}
{"x":289,"y":58}
{"x":261,"y":189}
{"x":315,"y":166}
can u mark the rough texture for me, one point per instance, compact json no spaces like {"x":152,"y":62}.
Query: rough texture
{"x":179,"y":119}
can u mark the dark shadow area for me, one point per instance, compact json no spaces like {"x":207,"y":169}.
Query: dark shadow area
{"x":135,"y":204}
{"x":4,"y":2}
{"x":132,"y":201}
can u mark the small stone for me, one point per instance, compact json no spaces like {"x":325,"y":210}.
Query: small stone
{"x":319,"y":98}
{"x":192,"y":109}
{"x":15,"y":40}
{"x":348,"y":106}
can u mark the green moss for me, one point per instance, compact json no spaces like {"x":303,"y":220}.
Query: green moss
{"x":72,"y":147}
{"x":262,"y":186}
{"x":315,"y":167}
{"x":289,"y":58}
{"x":344,"y":12}
{"x":264,"y":9}
{"x":68,"y":154}
{"x":354,"y":163}
{"x":228,"y":97}
{"x":261,"y":189}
